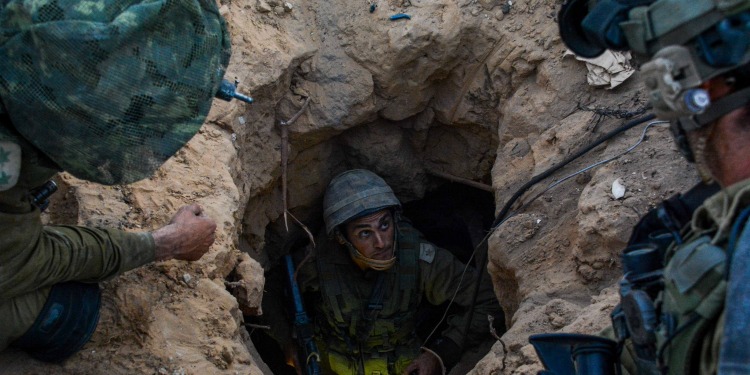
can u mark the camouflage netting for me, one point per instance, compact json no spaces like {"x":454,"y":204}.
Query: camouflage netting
{"x":110,"y":89}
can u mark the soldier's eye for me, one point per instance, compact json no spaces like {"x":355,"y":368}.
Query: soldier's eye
{"x":363,"y":234}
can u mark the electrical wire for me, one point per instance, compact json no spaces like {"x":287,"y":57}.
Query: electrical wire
{"x":602,"y":162}
{"x":563,"y":163}
{"x":499,"y":220}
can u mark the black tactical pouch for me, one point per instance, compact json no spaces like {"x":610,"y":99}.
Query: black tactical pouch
{"x":65,"y":324}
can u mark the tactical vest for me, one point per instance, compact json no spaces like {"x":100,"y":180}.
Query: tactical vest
{"x":693,"y":297}
{"x":356,"y":324}
{"x":669,"y":335}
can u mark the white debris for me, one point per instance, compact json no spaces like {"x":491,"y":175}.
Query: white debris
{"x":288,"y":7}
{"x":186,"y":277}
{"x":241,"y":119}
{"x":610,"y":69}
{"x":618,"y":189}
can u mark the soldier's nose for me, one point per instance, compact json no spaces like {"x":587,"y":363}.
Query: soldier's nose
{"x":379,"y":243}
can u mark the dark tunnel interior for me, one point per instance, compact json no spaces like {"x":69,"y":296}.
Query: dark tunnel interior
{"x":453,"y":216}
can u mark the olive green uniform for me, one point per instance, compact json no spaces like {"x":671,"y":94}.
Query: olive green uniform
{"x":695,"y":289}
{"x":34,"y":257}
{"x":387,"y":343}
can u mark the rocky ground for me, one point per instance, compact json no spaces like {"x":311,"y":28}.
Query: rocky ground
{"x":479,"y":90}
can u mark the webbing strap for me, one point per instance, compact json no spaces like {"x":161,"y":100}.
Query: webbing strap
{"x":722,"y":107}
{"x":330,"y":283}
{"x":374,"y":305}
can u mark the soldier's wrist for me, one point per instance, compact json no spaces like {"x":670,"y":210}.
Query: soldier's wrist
{"x":164,"y":245}
{"x":446,"y":350}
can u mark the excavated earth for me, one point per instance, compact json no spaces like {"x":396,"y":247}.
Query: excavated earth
{"x":479,"y":90}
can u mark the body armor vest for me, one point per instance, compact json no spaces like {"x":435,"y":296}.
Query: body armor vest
{"x":365,"y":318}
{"x":669,"y":333}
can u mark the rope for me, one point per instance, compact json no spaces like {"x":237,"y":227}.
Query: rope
{"x":285,"y":158}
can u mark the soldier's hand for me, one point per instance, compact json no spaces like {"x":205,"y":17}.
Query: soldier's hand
{"x":187,"y":236}
{"x":425,"y":364}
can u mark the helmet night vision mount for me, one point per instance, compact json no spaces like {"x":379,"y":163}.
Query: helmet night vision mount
{"x":682,"y":44}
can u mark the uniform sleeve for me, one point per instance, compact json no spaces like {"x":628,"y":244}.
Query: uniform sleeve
{"x":443,"y":278}
{"x":34,"y":256}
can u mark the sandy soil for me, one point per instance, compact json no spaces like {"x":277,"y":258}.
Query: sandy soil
{"x":460,"y":88}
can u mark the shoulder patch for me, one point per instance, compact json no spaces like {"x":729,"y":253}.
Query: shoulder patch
{"x":10,"y":164}
{"x":426,"y":252}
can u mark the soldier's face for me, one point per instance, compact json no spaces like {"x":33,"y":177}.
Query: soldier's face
{"x":720,"y":149}
{"x":372,"y":235}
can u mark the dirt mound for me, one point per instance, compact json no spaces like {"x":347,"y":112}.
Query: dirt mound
{"x":461,"y":88}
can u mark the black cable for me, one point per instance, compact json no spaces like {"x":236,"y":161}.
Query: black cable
{"x":556,"y":167}
{"x":482,"y":257}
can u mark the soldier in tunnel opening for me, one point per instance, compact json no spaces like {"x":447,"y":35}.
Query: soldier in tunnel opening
{"x":371,"y":272}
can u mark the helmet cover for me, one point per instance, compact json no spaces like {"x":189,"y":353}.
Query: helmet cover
{"x":110,"y":89}
{"x":354,"y":193}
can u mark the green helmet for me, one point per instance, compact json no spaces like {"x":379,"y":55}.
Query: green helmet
{"x":110,"y":89}
{"x":682,"y":44}
{"x":355,"y":193}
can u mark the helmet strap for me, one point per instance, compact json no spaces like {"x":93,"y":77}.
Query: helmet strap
{"x":684,"y":125}
{"x":723,"y":106}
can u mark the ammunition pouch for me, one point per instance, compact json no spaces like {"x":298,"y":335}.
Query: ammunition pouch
{"x":65,"y":324}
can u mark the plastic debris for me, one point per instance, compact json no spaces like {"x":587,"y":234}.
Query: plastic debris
{"x":400,"y":16}
{"x":618,"y":189}
{"x":373,"y":7}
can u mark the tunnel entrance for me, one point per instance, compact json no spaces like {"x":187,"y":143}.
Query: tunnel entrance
{"x":452,"y":215}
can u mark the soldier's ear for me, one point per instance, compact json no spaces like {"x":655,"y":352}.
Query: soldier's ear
{"x":339,"y":237}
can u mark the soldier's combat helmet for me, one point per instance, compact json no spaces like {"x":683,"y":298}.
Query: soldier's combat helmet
{"x":110,"y":89}
{"x":353,"y":194}
{"x":682,"y":45}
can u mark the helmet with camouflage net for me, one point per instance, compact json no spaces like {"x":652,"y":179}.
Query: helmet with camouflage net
{"x":355,"y":193}
{"x":110,"y":89}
